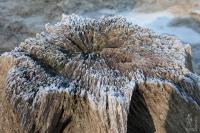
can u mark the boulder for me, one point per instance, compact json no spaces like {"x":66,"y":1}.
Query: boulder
{"x":105,"y":75}
{"x":195,"y":14}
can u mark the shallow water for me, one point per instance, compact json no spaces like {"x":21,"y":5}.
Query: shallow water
{"x":161,"y":23}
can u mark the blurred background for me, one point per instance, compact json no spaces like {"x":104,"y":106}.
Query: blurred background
{"x":20,"y":19}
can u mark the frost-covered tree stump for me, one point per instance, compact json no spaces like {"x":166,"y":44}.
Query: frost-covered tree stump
{"x":96,"y":76}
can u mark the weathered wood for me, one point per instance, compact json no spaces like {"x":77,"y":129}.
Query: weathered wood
{"x":106,"y":75}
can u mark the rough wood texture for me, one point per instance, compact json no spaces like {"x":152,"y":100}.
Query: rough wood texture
{"x":106,"y":75}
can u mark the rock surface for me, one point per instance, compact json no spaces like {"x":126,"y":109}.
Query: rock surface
{"x":196,"y":15}
{"x":106,"y":75}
